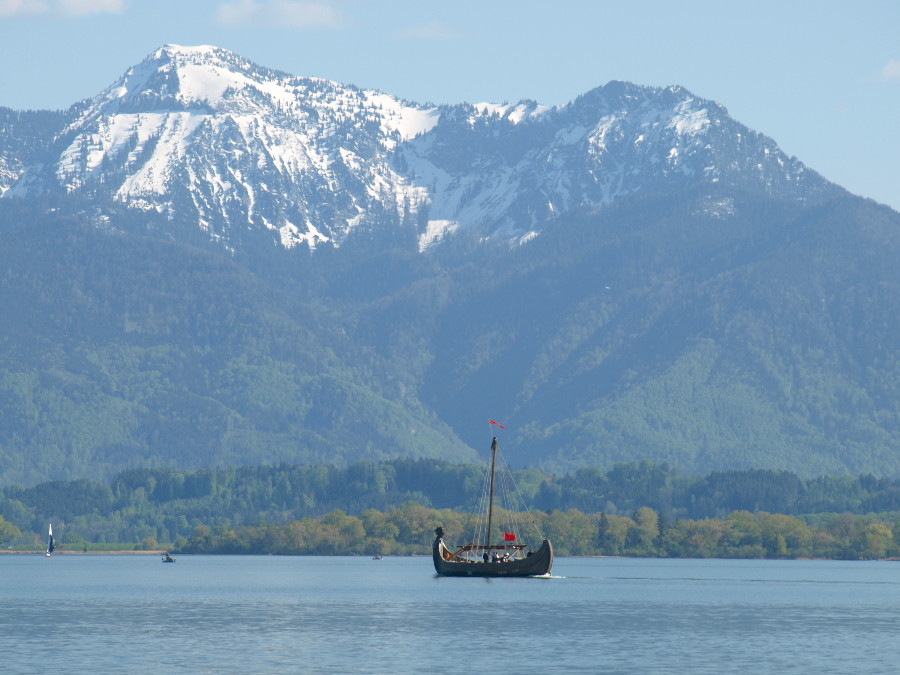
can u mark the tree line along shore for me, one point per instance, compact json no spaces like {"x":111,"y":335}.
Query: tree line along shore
{"x":392,"y":508}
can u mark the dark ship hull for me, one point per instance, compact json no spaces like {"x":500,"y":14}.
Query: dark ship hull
{"x":447,"y":564}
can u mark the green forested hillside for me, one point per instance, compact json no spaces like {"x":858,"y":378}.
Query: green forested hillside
{"x":655,"y":329}
{"x":119,"y":348}
{"x":766,"y":339}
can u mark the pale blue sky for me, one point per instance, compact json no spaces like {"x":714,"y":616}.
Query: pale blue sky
{"x":821,"y":77}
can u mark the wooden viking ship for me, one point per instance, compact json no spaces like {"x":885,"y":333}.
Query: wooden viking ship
{"x":507,"y":559}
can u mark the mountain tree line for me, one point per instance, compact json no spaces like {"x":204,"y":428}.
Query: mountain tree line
{"x":636,"y":508}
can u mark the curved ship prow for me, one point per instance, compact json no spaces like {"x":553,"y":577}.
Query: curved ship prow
{"x":457,"y":564}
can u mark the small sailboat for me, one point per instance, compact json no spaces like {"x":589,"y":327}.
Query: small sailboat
{"x":167,"y":558}
{"x":507,"y":559}
{"x":50,"y":545}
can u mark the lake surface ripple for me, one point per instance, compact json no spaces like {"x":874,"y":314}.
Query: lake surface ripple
{"x":258,"y":614}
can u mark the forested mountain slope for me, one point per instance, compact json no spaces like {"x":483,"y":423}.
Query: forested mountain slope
{"x":213,"y":263}
{"x":767,"y":339}
{"x":120,"y":350}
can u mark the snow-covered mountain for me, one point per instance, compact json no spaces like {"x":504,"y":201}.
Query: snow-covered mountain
{"x":687,"y":294}
{"x":203,"y":136}
{"x":209,"y":140}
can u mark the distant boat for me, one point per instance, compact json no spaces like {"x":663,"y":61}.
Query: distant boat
{"x":507,"y":559}
{"x":50,"y":545}
{"x":377,"y":557}
{"x":167,"y":558}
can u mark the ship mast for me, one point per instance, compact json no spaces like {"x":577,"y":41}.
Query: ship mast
{"x":491,"y":503}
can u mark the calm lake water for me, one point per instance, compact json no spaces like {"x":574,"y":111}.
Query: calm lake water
{"x":255,"y":614}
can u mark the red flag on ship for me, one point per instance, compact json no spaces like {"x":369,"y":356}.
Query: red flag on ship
{"x":498,"y":424}
{"x":509,"y":536}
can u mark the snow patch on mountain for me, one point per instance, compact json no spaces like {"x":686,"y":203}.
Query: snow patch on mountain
{"x":513,"y":113}
{"x":208,"y":139}
{"x":435,"y":230}
{"x":406,"y":121}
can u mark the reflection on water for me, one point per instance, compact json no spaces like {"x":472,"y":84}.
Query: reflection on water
{"x":231,"y":614}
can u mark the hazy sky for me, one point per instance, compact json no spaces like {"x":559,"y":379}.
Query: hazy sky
{"x":821,"y":77}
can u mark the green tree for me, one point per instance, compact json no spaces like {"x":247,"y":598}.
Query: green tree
{"x":874,"y":541}
{"x":701,"y":538}
{"x":377,"y":525}
{"x":643,"y":532}
{"x":415,"y":523}
{"x":349,"y":530}
{"x":784,"y":536}
{"x":612,"y":532}
{"x":201,"y":539}
{"x":744,"y":539}
{"x":8,"y":531}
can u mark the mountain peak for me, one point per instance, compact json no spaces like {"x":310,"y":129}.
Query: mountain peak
{"x":175,"y":77}
{"x":173,"y":51}
{"x":207,"y":138}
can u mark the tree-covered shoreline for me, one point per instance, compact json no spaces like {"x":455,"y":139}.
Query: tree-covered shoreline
{"x":634,"y":509}
{"x":408,"y":531}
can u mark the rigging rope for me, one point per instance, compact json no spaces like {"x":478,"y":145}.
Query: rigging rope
{"x":509,"y":506}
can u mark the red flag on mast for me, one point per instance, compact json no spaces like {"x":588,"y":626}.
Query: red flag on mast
{"x":509,"y":536}
{"x":498,"y":424}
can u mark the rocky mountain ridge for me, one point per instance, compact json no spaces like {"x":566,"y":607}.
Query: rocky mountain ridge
{"x":206,"y":139}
